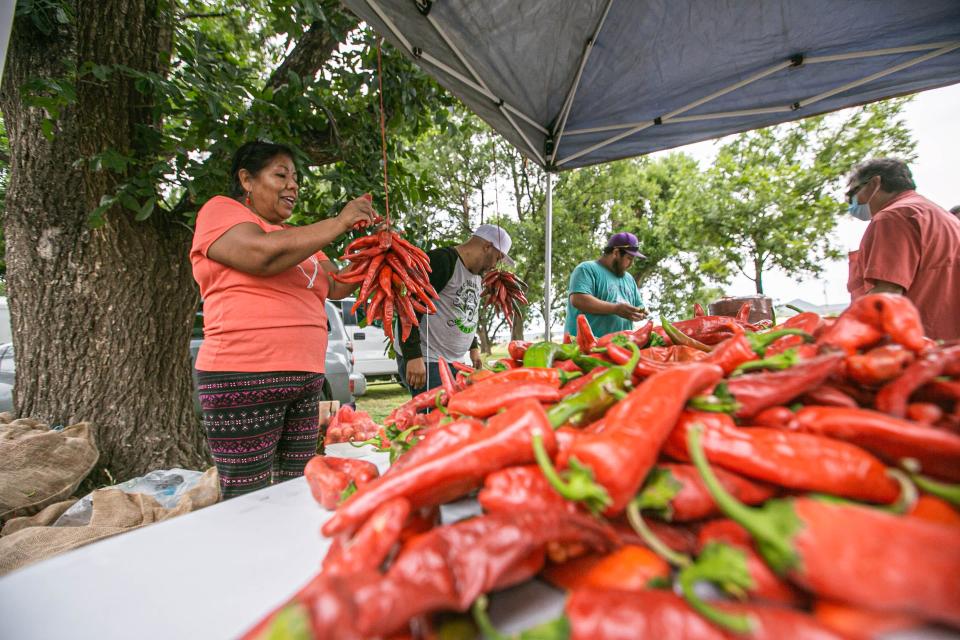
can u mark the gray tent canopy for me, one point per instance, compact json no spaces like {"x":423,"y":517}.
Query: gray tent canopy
{"x":572,"y":83}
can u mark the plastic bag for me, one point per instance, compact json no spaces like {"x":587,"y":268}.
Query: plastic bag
{"x":164,"y":485}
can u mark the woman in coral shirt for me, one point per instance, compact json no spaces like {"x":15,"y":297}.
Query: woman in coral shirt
{"x":264,"y":283}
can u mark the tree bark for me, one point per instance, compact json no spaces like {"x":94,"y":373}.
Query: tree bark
{"x":101,"y":317}
{"x":758,"y":275}
{"x":516,"y":331}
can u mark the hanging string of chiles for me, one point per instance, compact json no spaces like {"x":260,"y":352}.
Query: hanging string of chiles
{"x":393,"y":273}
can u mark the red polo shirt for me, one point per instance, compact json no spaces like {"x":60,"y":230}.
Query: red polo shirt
{"x":914,"y":243}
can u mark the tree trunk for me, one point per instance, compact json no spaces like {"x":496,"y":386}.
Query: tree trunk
{"x":758,"y":275}
{"x":516,"y":332}
{"x":101,"y":317}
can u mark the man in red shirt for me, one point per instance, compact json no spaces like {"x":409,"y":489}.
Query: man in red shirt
{"x":910,"y":247}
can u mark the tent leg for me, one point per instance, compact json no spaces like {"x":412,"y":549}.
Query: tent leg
{"x":548,"y":261}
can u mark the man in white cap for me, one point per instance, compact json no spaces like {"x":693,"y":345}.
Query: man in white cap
{"x":452,"y":330}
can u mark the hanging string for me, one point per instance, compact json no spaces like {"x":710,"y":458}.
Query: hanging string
{"x":383,"y":134}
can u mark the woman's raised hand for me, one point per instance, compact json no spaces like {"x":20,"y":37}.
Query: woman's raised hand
{"x":358,"y":213}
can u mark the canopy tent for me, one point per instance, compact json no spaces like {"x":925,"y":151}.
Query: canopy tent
{"x":573,"y":83}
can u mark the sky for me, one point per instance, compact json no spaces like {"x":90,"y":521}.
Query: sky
{"x":934,"y":119}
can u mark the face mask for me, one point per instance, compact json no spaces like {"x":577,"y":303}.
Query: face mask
{"x":859,"y":211}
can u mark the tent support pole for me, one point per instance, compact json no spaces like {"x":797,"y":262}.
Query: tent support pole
{"x":548,"y":261}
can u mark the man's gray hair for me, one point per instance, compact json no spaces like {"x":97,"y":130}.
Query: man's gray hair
{"x":894,"y":174}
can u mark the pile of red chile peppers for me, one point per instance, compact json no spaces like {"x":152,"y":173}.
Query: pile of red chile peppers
{"x":810,"y":472}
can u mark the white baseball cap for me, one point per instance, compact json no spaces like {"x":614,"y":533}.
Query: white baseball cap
{"x":499,"y":238}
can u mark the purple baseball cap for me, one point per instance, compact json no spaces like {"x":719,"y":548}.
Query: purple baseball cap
{"x":626,"y":241}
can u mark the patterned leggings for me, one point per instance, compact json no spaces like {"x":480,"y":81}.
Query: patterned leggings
{"x":260,"y":426}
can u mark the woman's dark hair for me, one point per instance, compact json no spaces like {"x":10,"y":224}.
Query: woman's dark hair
{"x":894,"y":174}
{"x":254,"y":156}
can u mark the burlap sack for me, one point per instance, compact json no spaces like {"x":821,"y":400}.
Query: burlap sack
{"x":39,"y":466}
{"x":113,"y":512}
{"x":43,"y":519}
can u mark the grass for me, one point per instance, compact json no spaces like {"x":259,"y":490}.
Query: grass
{"x":382,"y":398}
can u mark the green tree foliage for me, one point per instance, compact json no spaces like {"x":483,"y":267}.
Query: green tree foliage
{"x":296,"y":72}
{"x":771,"y":198}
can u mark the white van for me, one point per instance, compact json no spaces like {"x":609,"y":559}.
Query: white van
{"x":370,"y":343}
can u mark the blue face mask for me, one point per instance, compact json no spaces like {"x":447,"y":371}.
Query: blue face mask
{"x":859,"y":211}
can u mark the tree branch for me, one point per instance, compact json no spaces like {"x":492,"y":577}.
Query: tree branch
{"x":189,"y":16}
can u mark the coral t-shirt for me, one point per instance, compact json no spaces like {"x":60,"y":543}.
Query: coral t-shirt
{"x":914,"y":243}
{"x":257,"y":323}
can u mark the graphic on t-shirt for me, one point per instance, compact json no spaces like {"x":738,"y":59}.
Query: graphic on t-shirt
{"x":466,"y":307}
{"x":316,"y":268}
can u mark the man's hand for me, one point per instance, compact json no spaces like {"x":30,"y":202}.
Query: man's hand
{"x":476,"y":359}
{"x":416,"y":373}
{"x":629,"y":312}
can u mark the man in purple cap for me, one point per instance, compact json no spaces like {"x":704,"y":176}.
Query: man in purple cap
{"x":604,"y":292}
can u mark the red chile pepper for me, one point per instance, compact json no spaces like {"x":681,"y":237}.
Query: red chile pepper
{"x":544,"y":375}
{"x":698,"y":311}
{"x":807,"y":322}
{"x":870,"y":318}
{"x":585,"y":338}
{"x":507,"y":440}
{"x":518,"y":488}
{"x":319,"y":609}
{"x":509,"y":363}
{"x":656,"y":354}
{"x":679,"y":338}
{"x":486,"y":399}
{"x":937,"y":451}
{"x":403,"y":414}
{"x":775,"y":418}
{"x":437,"y":439}
{"x":568,"y":366}
{"x":629,"y":568}
{"x":618,"y":355}
{"x":369,"y":547}
{"x":419,"y":522}
{"x":480,"y":375}
{"x":745,"y":347}
{"x":753,"y":393}
{"x":878,"y":366}
{"x":706,"y":329}
{"x":766,"y":584}
{"x":924,"y":412}
{"x":621,"y":455}
{"x":446,"y":378}
{"x":743,"y":314}
{"x":640,"y":337}
{"x":895,"y":395}
{"x":828,"y":396}
{"x":443,"y":569}
{"x":328,"y":477}
{"x":450,"y":566}
{"x":463,"y":368}
{"x":947,"y":391}
{"x":860,"y":393}
{"x":854,"y":554}
{"x":800,"y":461}
{"x":580,"y":382}
{"x":678,"y":538}
{"x":675,"y":492}
{"x":516,"y":349}
{"x":658,"y":615}
{"x":858,"y":623}
{"x":934,"y":509}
